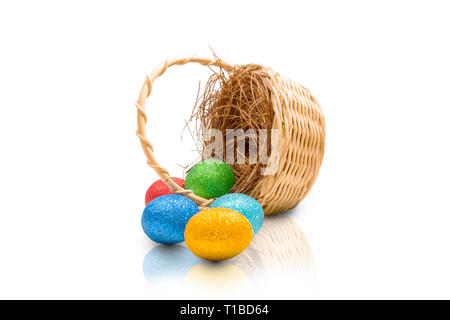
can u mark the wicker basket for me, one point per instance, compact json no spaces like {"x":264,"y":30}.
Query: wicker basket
{"x":301,"y":125}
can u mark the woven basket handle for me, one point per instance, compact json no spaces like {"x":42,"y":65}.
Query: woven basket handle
{"x":142,"y":120}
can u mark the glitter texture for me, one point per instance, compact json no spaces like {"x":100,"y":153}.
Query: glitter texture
{"x":210,"y":178}
{"x":244,"y":204}
{"x":218,"y":234}
{"x":164,"y":219}
{"x":159,"y":188}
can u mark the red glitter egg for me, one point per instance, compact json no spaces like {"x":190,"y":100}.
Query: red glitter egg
{"x":159,"y":188}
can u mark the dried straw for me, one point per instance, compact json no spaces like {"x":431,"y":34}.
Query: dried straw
{"x":239,"y":99}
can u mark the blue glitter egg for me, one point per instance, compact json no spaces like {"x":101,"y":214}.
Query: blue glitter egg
{"x":244,"y":204}
{"x":164,"y":219}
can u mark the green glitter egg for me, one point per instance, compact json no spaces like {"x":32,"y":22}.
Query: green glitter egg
{"x":210,"y":178}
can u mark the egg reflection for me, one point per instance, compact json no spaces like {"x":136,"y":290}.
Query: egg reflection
{"x":280,"y":249}
{"x":216,"y":276}
{"x":168,"y":263}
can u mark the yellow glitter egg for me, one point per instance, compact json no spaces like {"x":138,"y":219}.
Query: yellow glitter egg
{"x":218,"y":234}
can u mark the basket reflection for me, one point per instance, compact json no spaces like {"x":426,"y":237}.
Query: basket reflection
{"x":279,"y":248}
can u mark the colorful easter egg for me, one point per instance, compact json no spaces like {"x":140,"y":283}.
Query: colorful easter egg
{"x":159,"y":188}
{"x":218,"y":234}
{"x":164,"y":219}
{"x":210,"y":178}
{"x":244,"y":204}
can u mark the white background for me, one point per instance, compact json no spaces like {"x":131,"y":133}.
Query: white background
{"x":73,"y":176}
